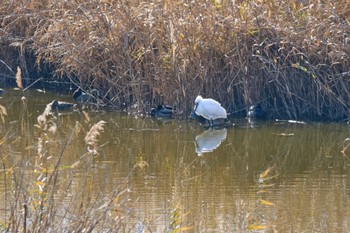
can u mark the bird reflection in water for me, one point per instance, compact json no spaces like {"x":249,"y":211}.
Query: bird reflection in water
{"x":209,"y":140}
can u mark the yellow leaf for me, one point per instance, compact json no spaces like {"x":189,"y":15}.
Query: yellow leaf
{"x":39,"y":183}
{"x":180,"y":218}
{"x":264,"y":202}
{"x":266,"y":172}
{"x":294,"y":6}
{"x":257,"y":227}
{"x":265,"y":179}
{"x":182,"y":229}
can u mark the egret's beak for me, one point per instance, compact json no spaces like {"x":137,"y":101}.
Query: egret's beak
{"x":193,"y":115}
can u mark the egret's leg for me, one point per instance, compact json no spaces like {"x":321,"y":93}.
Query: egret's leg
{"x":209,"y":123}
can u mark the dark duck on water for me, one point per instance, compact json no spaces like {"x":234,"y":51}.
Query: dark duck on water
{"x":256,"y":112}
{"x":61,"y":105}
{"x":80,"y":96}
{"x":162,"y":111}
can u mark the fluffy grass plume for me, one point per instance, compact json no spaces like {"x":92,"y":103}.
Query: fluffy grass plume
{"x":94,"y":132}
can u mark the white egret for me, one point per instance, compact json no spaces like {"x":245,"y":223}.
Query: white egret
{"x":209,"y":109}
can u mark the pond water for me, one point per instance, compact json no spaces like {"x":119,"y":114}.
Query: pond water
{"x":165,"y":175}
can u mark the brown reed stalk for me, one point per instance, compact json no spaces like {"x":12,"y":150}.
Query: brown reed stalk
{"x":19,"y":78}
{"x":3,"y":113}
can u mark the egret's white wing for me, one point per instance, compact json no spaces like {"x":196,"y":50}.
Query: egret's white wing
{"x":210,"y":109}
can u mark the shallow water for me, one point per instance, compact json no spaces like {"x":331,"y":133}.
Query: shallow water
{"x":267,"y":176}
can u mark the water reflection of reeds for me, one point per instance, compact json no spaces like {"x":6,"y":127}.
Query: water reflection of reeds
{"x":151,"y":172}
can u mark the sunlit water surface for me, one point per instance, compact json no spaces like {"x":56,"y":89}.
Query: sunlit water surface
{"x":267,"y":176}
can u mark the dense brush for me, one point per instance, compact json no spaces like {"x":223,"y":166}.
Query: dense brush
{"x":292,"y":56}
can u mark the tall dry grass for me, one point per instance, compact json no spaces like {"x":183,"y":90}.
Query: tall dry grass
{"x":293,"y":56}
{"x":42,"y":192}
{"x":38,"y":192}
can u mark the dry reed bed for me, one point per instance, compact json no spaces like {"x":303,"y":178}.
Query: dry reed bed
{"x":293,"y":56}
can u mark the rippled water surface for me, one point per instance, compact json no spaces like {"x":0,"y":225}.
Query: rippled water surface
{"x":267,"y":176}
